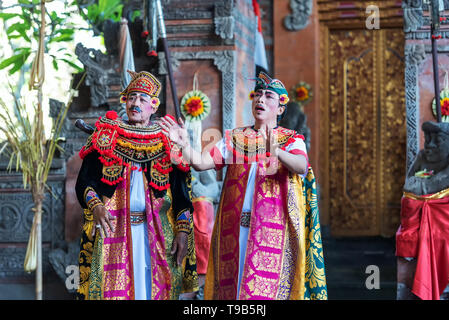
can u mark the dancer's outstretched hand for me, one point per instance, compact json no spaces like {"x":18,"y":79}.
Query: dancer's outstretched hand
{"x":174,"y":131}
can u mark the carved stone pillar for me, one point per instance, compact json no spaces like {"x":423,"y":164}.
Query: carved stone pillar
{"x":414,"y":56}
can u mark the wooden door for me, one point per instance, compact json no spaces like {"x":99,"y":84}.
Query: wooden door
{"x":364,"y":128}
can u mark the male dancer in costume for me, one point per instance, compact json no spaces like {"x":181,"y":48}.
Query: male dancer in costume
{"x":266,"y":242}
{"x":137,"y":240}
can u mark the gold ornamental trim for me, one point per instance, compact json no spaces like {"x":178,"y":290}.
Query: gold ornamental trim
{"x":439,"y":195}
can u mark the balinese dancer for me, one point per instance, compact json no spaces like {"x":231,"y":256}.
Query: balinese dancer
{"x":266,"y":242}
{"x":137,"y":240}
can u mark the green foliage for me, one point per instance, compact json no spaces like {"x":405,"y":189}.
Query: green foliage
{"x":17,"y":60}
{"x":22,"y":29}
{"x":100,"y":11}
{"x":135,"y":15}
{"x":105,"y":9}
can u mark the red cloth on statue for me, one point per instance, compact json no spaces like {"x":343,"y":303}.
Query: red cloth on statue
{"x":424,"y":234}
{"x":203,"y":221}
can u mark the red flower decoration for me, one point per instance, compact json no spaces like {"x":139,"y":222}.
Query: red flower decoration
{"x":194,"y":106}
{"x":111,"y":115}
{"x":145,"y":34}
{"x":445,"y":107}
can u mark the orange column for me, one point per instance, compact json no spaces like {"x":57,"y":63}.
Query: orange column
{"x":296,"y":58}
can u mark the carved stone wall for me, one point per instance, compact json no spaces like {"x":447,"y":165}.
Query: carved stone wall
{"x":417,"y":20}
{"x":16,"y":218}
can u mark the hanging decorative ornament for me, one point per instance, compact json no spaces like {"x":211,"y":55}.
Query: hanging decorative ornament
{"x":195,"y":105}
{"x":302,"y":93}
{"x":444,"y":101}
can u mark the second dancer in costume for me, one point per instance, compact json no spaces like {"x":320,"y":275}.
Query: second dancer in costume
{"x":266,"y":242}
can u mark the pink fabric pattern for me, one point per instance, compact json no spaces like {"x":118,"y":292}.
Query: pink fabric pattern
{"x":264,"y":253}
{"x":117,"y":260}
{"x":160,"y":270}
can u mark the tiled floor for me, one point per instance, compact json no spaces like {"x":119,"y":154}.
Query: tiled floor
{"x":346,"y":261}
{"x":53,"y":289}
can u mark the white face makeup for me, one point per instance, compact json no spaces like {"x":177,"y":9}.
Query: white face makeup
{"x":266,"y":107}
{"x":139,"y":108}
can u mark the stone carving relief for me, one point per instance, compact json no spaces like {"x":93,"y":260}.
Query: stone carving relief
{"x":416,"y":18}
{"x":55,"y":108}
{"x":96,"y":65}
{"x":413,"y":15}
{"x":224,"y":20}
{"x":62,"y":257}
{"x":299,"y":18}
{"x":16,"y":217}
{"x":414,"y":55}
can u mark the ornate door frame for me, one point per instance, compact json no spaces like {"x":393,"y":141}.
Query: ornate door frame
{"x":333,"y":16}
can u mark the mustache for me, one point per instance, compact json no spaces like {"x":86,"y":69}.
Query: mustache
{"x":135,"y":108}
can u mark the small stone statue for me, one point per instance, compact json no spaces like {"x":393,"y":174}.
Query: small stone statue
{"x":205,"y":184}
{"x":428,"y":175}
{"x":296,"y":119}
{"x":430,"y":171}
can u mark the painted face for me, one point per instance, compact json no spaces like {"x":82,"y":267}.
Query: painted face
{"x":265,"y":106}
{"x":139,"y":108}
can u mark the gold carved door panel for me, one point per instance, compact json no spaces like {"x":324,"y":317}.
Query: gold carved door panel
{"x":366,"y":130}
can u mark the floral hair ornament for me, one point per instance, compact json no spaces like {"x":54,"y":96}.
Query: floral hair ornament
{"x":195,"y":105}
{"x":283,"y":99}
{"x":143,"y":82}
{"x":252,"y":94}
{"x":444,"y":101}
{"x":155,"y":102}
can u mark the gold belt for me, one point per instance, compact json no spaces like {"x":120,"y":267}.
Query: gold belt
{"x":245,"y":219}
{"x":137,"y":217}
{"x":439,"y":195}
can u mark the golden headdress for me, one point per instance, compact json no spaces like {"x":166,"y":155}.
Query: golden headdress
{"x":143,"y":82}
